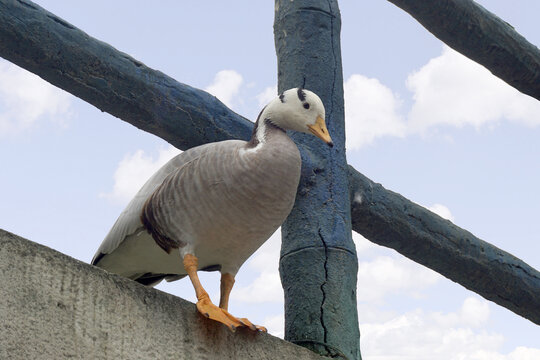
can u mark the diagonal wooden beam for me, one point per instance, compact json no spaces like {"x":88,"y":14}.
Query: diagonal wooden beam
{"x":46,"y":45}
{"x":388,"y":219}
{"x":469,"y":28}
{"x":112,"y":81}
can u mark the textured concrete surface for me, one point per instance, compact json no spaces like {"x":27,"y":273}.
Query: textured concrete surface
{"x":56,"y":307}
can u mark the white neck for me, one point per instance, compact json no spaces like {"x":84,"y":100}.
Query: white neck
{"x":260,"y":133}
{"x":263,"y":131}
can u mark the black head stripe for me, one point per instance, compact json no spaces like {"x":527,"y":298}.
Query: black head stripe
{"x":269,"y":124}
{"x":282,"y":97}
{"x":301,"y":95}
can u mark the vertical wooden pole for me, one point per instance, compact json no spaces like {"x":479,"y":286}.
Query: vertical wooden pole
{"x":318,"y":263}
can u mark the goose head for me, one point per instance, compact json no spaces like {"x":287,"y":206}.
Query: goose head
{"x":299,"y":110}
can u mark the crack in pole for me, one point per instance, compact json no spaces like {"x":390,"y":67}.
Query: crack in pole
{"x":323,"y":290}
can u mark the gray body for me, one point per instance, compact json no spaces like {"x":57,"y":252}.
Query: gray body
{"x":219,"y":202}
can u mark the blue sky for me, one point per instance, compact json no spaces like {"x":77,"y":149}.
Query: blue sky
{"x":422,"y":120}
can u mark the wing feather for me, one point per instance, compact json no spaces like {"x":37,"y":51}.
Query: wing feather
{"x":129,"y":221}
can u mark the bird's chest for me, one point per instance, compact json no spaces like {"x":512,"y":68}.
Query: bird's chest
{"x":263,"y":189}
{"x":247,"y":207}
{"x":248,"y":196}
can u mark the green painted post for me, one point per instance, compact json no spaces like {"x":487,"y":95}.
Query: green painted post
{"x":318,"y":263}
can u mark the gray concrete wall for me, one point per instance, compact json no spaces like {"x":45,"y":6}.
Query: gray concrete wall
{"x":55,"y":307}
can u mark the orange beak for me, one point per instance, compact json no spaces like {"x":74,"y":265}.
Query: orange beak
{"x":319,"y":130}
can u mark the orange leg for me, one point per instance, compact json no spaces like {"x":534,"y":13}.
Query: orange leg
{"x":204,"y":304}
{"x":227,"y":283}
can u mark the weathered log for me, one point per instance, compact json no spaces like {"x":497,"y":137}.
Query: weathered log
{"x":388,"y":219}
{"x":318,"y":263}
{"x":112,"y":81}
{"x":470,"y":29}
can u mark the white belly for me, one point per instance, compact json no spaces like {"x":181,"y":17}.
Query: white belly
{"x":139,"y":254}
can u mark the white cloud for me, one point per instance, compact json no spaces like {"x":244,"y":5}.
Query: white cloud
{"x":370,"y":312}
{"x":25,"y":98}
{"x":473,"y":313}
{"x":267,"y":256}
{"x":362,"y":244}
{"x":450,"y":90}
{"x":226,"y":86}
{"x":275,"y":325}
{"x":427,"y":335}
{"x":453,"y":90}
{"x":267,"y":95}
{"x":134,"y":170}
{"x":266,"y":287}
{"x":419,"y":335}
{"x":442,"y":211}
{"x":523,"y":353}
{"x":385,"y":276}
{"x":371,"y":111}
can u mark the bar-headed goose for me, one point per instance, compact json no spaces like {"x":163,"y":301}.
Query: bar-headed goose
{"x":212,"y":206}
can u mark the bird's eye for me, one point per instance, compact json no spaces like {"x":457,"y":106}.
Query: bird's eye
{"x":306,"y":106}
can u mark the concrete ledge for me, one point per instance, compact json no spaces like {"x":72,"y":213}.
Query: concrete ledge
{"x":55,"y":307}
